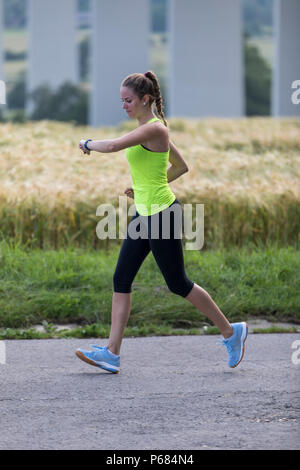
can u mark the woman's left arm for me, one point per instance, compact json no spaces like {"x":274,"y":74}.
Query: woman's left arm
{"x":178,"y":165}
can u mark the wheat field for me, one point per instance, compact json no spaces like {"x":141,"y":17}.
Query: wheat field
{"x":245,"y":171}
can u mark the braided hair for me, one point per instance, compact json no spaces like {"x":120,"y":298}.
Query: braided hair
{"x":146,"y":84}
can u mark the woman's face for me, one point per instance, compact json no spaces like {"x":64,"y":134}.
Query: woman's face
{"x":132,"y":104}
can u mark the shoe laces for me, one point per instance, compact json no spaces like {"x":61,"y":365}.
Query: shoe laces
{"x":97,"y":347}
{"x":223,"y":342}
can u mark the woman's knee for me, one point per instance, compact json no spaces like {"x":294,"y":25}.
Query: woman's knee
{"x":120,"y":284}
{"x":182,"y":288}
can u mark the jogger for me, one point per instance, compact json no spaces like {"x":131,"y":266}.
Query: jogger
{"x":156,"y":226}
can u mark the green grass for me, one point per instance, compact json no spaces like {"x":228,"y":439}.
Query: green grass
{"x":275,"y":329}
{"x":75,"y":286}
{"x":97,"y":330}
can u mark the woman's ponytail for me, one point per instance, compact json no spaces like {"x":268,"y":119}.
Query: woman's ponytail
{"x":157,"y":95}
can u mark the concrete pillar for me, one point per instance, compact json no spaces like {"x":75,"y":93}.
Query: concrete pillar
{"x":286,"y":58}
{"x":120,"y":46}
{"x":2,"y":81}
{"x":53,"y":57}
{"x":1,"y":41}
{"x":206,"y":58}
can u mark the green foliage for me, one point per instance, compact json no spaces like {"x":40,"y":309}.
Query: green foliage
{"x":2,"y":117}
{"x":84,"y":59}
{"x":10,"y":55}
{"x":258,"y":76}
{"x":15,"y":13}
{"x":16,"y":96}
{"x":257,"y":16}
{"x":84,"y":5}
{"x":275,"y":329}
{"x":159,"y":15}
{"x":68,"y":103}
{"x":75,"y":286}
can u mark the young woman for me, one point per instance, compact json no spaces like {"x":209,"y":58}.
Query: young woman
{"x":148,"y":150}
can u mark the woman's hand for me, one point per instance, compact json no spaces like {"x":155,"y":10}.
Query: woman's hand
{"x":129,"y":192}
{"x":82,"y":147}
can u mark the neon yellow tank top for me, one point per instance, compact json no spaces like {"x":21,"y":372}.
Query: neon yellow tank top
{"x":148,"y":171}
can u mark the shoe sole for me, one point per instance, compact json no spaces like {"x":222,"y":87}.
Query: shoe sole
{"x":243,"y":338}
{"x":81,"y":356}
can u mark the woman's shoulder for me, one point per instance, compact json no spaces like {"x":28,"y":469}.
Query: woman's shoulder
{"x":155,"y":128}
{"x":161,"y":132}
{"x":160,"y":127}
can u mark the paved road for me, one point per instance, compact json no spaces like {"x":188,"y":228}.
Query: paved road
{"x":171,"y":393}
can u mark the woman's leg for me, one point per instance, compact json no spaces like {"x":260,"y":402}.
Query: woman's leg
{"x":169,"y":258}
{"x":121,"y":306}
{"x":203,"y":302}
{"x":132,"y":254}
{"x":168,"y":254}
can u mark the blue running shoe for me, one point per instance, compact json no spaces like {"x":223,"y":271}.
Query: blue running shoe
{"x":102,"y":357}
{"x":236,"y":343}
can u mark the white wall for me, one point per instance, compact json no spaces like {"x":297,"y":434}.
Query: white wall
{"x":1,"y":41}
{"x":2,"y":78}
{"x":53,"y":54}
{"x":206,"y":58}
{"x":286,"y":57}
{"x":120,"y":46}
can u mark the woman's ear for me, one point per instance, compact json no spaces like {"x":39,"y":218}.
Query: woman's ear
{"x":145,"y":100}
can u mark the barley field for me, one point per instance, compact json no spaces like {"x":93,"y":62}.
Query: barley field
{"x":245,"y":171}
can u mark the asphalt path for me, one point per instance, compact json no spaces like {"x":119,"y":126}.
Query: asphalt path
{"x":172,"y":393}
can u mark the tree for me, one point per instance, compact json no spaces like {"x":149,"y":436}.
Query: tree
{"x":257,"y":82}
{"x":15,"y":13}
{"x":68,"y":103}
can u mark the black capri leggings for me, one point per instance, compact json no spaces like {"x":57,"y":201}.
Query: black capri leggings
{"x":161,"y":234}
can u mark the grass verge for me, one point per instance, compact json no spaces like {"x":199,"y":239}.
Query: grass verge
{"x":102,"y":331}
{"x":75,"y":286}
